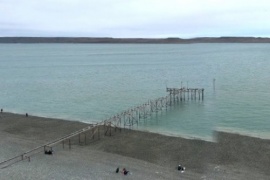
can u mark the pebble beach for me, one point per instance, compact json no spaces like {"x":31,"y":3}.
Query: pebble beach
{"x":145,"y":155}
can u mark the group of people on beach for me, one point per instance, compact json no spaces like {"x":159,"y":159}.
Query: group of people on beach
{"x":124,"y":171}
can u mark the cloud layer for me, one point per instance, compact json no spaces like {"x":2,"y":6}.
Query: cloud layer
{"x":135,"y":18}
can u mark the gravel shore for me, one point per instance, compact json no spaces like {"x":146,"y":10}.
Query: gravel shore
{"x":146,"y":155}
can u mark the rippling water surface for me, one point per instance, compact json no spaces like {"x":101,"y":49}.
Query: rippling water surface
{"x":90,"y":82}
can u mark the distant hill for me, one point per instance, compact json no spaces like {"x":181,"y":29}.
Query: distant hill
{"x":133,"y":40}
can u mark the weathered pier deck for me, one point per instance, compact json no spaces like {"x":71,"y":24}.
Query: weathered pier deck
{"x":127,"y":118}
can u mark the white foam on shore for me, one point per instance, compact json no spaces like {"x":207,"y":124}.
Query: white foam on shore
{"x":262,"y":135}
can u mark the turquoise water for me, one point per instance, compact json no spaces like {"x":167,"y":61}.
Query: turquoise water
{"x":91,"y":82}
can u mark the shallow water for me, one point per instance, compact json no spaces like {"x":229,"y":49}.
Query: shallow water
{"x":91,"y":82}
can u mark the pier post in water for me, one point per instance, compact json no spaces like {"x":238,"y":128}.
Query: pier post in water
{"x":202,"y":94}
{"x":214,"y":84}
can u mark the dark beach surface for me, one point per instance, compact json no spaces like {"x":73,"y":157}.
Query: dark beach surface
{"x":146,"y":155}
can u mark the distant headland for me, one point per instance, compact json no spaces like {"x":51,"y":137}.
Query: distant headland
{"x":171,"y":40}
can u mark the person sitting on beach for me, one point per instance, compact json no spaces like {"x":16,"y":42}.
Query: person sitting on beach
{"x":125,"y":172}
{"x":117,"y":170}
{"x":50,"y":152}
{"x":181,"y":168}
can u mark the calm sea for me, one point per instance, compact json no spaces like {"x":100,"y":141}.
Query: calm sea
{"x":91,"y":82}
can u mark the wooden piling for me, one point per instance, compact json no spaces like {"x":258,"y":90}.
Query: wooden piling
{"x":202,"y":94}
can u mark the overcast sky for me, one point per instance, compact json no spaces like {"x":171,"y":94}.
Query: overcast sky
{"x":135,"y":18}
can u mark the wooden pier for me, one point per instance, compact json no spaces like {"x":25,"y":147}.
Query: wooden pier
{"x":132,"y":116}
{"x":182,"y":94}
{"x":127,"y":118}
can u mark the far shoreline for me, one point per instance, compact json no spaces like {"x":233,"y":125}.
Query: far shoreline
{"x":110,"y":40}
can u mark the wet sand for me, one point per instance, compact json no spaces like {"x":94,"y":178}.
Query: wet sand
{"x":146,"y":155}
